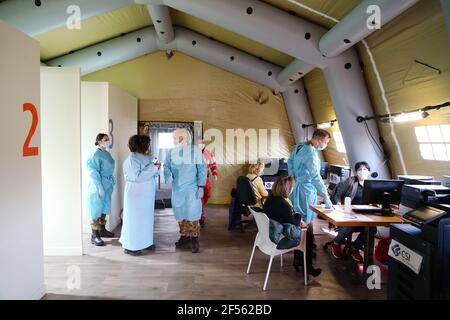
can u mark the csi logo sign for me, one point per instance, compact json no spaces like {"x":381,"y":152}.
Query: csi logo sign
{"x":397,"y":251}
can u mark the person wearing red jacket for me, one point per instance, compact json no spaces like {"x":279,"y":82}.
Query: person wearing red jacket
{"x":212,"y":170}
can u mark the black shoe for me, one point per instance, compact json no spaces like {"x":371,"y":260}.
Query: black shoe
{"x":133,"y":253}
{"x":96,"y":239}
{"x":202,"y":223}
{"x":151,"y":248}
{"x":314,"y":272}
{"x":195,"y":245}
{"x":105,"y":233}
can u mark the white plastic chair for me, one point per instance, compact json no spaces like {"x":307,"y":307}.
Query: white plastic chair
{"x":263,"y":242}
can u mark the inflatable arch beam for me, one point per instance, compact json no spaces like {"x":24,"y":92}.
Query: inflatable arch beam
{"x":300,"y":38}
{"x":291,"y":35}
{"x":145,"y":41}
{"x":359,"y":23}
{"x":161,"y":22}
{"x":446,"y":8}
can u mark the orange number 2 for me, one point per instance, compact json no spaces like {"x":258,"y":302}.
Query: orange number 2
{"x":27,"y":150}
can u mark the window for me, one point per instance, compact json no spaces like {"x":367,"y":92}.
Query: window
{"x":434,"y":142}
{"x":339,"y":142}
{"x":165,"y":140}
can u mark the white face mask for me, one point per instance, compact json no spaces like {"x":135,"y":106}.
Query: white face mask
{"x":321,"y":147}
{"x":363,"y":174}
{"x":176,"y":142}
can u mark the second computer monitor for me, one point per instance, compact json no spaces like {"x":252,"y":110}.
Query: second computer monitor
{"x":384,"y":192}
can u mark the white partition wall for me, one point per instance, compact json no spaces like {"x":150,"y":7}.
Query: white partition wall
{"x":123,"y":115}
{"x":21,"y":248}
{"x":106,"y":109}
{"x":61,"y":155}
{"x":94,"y":119}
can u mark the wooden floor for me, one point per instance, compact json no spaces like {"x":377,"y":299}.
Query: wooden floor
{"x":217,"y":272}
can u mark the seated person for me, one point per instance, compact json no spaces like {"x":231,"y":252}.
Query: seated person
{"x":353,"y":188}
{"x":254,"y":174}
{"x":279,"y":208}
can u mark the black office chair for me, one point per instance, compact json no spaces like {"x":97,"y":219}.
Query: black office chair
{"x":246,"y":197}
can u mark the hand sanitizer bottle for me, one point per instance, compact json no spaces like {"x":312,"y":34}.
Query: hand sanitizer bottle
{"x":348,"y":205}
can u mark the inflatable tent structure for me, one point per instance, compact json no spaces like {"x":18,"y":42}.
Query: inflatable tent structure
{"x":314,"y":62}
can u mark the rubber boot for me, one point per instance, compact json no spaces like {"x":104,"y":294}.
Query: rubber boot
{"x":105,"y":233}
{"x":182,"y":241}
{"x":195,"y":245}
{"x":96,"y":239}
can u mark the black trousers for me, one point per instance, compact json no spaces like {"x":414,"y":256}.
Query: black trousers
{"x":298,"y":255}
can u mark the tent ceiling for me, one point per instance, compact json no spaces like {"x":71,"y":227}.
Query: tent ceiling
{"x":93,"y":30}
{"x":334,"y":8}
{"x":109,"y":25}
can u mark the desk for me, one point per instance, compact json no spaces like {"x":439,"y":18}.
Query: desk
{"x":369,"y":221}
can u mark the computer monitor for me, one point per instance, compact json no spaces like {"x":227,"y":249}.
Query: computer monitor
{"x":324,"y":168}
{"x":338,"y":173}
{"x":384,"y":192}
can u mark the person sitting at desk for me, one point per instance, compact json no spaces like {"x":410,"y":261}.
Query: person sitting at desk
{"x":254,"y":174}
{"x":278,"y":207}
{"x":353,"y":188}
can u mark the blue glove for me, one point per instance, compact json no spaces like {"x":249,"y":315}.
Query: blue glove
{"x":328,"y":204}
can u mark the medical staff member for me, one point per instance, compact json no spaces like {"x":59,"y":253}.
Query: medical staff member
{"x":304,"y":166}
{"x":185,"y":165}
{"x":140,"y":174}
{"x":101,"y":185}
{"x":353,"y":188}
{"x":211,"y":168}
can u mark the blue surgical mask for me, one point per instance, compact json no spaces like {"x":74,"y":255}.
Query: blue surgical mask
{"x":107,"y":144}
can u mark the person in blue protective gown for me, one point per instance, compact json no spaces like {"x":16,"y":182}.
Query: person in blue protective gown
{"x":185,"y":165}
{"x":304,"y":166}
{"x":140,"y":174}
{"x":101,"y":185}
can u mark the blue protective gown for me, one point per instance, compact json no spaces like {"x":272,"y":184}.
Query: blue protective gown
{"x":304,"y":166}
{"x":187,"y":168}
{"x":139,"y":202}
{"x":101,"y":185}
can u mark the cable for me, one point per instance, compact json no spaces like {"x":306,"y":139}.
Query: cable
{"x":383,"y":154}
{"x":373,"y":140}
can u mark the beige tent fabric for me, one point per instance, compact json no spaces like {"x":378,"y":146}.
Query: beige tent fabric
{"x":185,"y":89}
{"x":230,"y":38}
{"x":322,"y":110}
{"x":133,"y":17}
{"x":334,"y":8}
{"x":93,"y":30}
{"x":418,"y":34}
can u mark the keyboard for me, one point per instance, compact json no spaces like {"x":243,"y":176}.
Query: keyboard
{"x":366,"y":209}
